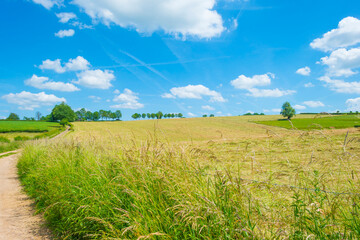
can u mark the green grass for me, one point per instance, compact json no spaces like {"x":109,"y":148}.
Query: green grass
{"x":27,"y":126}
{"x":337,"y":122}
{"x":14,"y":133}
{"x":128,"y":181}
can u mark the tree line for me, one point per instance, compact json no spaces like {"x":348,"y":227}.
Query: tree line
{"x":158,"y":115}
{"x":84,"y":115}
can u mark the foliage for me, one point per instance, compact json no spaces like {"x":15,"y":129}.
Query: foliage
{"x":64,"y":122}
{"x":13,"y":117}
{"x":21,"y":138}
{"x":4,"y":140}
{"x":287,"y":110}
{"x":62,"y":111}
{"x":26,"y":126}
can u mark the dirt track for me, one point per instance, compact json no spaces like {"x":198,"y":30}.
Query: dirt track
{"x":17,"y":219}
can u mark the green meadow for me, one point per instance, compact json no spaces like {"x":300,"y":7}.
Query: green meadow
{"x":317,"y":122}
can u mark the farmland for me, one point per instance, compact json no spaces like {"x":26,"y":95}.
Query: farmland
{"x":200,"y":178}
{"x":13,"y":133}
{"x":317,"y":122}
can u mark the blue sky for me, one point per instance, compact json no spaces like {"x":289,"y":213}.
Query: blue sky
{"x":225,"y":57}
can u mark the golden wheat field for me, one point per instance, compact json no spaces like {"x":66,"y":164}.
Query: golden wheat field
{"x":199,"y":178}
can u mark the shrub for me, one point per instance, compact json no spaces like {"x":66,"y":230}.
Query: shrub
{"x":4,"y":140}
{"x":21,"y":138}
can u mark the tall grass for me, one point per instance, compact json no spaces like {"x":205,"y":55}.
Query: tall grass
{"x":154,"y":190}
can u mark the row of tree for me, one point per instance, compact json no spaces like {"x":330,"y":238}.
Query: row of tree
{"x":158,"y":115}
{"x":83,"y":115}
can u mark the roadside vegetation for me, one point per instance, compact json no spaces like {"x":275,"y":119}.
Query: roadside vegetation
{"x":201,"y":178}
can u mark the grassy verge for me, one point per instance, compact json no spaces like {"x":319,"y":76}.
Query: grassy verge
{"x":153,"y":190}
{"x":338,"y":122}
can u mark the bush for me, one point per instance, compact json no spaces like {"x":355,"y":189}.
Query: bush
{"x":21,"y":138}
{"x":64,"y":122}
{"x":4,"y":140}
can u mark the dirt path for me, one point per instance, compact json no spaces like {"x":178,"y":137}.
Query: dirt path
{"x":17,"y":219}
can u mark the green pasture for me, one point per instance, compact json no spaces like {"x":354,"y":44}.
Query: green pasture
{"x":317,"y":122}
{"x":27,"y":126}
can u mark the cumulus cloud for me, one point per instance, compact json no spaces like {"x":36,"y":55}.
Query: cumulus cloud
{"x":65,"y":17}
{"x":207,"y":107}
{"x":44,"y":83}
{"x":274,"y":110}
{"x":353,"y":104}
{"x":341,"y":86}
{"x":52,"y":65}
{"x":342,"y":61}
{"x":190,"y":114}
{"x":305,"y":71}
{"x":313,"y":104}
{"x":65,"y":33}
{"x":347,"y":34}
{"x":243,"y":82}
{"x":30,"y":101}
{"x":309,"y":85}
{"x":299,"y":107}
{"x":77,"y":64}
{"x":185,"y":17}
{"x":48,"y":4}
{"x":95,"y":79}
{"x":194,"y":92}
{"x":255,"y":92}
{"x":127,"y":99}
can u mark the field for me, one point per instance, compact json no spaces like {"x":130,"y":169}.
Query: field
{"x":200,"y":178}
{"x":317,"y":122}
{"x":13,"y":133}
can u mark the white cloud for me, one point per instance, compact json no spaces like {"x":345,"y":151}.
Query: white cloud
{"x":353,"y":104}
{"x":191,"y":114}
{"x":341,"y":86}
{"x":95,"y":79}
{"x":195,"y":92}
{"x":30,"y":101}
{"x":342,"y":61}
{"x":167,"y":95}
{"x":44,"y":83}
{"x":305,"y":71}
{"x":116,"y":91}
{"x":128,"y":99}
{"x":2,"y":117}
{"x":309,"y":85}
{"x":95,"y":98}
{"x":299,"y":107}
{"x":48,"y":4}
{"x":243,"y":82}
{"x":207,"y":107}
{"x":255,"y":92}
{"x":313,"y":104}
{"x":77,"y":64}
{"x":65,"y":17}
{"x":347,"y":34}
{"x":65,"y":33}
{"x":185,"y":17}
{"x":274,"y":110}
{"x":52,"y":65}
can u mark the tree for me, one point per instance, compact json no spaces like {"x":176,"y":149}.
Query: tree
{"x":143,"y":115}
{"x":118,"y":114}
{"x":38,"y":115}
{"x":62,"y":111}
{"x":159,"y":115}
{"x":96,"y":116}
{"x":212,"y":115}
{"x":153,"y":115}
{"x":287,"y":110}
{"x":148,"y":115}
{"x":180,"y":115}
{"x":204,"y":115}
{"x":88,"y":115}
{"x":13,"y":117}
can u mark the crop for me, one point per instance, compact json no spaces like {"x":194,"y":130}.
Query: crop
{"x":230,"y":179}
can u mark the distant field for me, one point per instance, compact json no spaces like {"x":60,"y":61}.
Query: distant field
{"x":198,"y":178}
{"x":317,"y":122}
{"x":13,"y":133}
{"x":26,"y":126}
